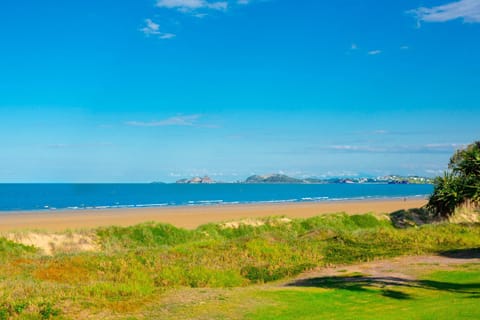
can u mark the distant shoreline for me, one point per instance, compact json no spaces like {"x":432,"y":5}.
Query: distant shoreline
{"x":192,"y":216}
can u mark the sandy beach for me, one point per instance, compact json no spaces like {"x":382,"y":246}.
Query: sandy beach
{"x":190,"y":216}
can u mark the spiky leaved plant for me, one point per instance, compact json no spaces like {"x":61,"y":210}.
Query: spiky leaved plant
{"x":460,"y":184}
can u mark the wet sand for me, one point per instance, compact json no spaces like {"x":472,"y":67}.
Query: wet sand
{"x":191,"y":216}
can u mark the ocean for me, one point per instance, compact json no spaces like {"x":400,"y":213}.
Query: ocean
{"x":27,"y":197}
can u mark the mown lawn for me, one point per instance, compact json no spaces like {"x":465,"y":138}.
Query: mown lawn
{"x":442,"y":295}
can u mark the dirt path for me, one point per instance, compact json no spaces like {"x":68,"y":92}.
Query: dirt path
{"x":395,"y":270}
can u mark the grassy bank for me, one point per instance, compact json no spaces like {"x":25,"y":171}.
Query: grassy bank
{"x":136,"y":266}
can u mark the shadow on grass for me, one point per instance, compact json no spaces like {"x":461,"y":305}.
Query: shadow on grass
{"x":399,"y":295}
{"x":363,"y":283}
{"x":473,"y":253}
{"x":412,"y":217}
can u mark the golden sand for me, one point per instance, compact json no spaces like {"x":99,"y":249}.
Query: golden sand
{"x":191,"y":216}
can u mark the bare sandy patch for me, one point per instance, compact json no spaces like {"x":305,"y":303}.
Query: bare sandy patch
{"x":51,"y":243}
{"x":255,"y":222}
{"x":240,"y":223}
{"x":407,"y":268}
{"x":466,"y":213}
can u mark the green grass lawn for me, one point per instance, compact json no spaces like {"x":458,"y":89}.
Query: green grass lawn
{"x":440,"y":295}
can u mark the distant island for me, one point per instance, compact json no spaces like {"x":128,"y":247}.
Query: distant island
{"x":197,"y":180}
{"x":284,"y":179}
{"x":390,"y":179}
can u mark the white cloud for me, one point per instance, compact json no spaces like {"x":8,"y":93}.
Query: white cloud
{"x":445,"y":146}
{"x":468,"y":10}
{"x":404,"y":47}
{"x":435,"y":172}
{"x":182,"y":120}
{"x":200,"y":15}
{"x":218,"y":5}
{"x":353,"y":46}
{"x":350,"y":148}
{"x":427,"y":148}
{"x":153,"y":29}
{"x":192,"y":5}
{"x":193,"y":8}
{"x":330,"y":174}
{"x":80,"y":145}
{"x":374,"y":52}
{"x":167,"y":36}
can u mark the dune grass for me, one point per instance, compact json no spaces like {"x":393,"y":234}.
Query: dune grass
{"x":138,"y":265}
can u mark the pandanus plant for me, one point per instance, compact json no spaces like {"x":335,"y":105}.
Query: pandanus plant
{"x":446,"y":195}
{"x":460,"y":184}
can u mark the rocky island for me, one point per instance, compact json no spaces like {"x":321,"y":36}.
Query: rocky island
{"x":276,"y":178}
{"x":197,"y":180}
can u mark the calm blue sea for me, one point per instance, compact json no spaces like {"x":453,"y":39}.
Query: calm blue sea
{"x":18,"y":197}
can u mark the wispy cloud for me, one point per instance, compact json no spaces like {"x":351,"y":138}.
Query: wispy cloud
{"x":467,"y":10}
{"x":80,"y":145}
{"x":192,"y":5}
{"x":374,"y":52}
{"x":353,"y":148}
{"x":153,"y":29}
{"x":381,"y":132}
{"x":189,"y":8}
{"x":434,"y":172}
{"x":390,"y":132}
{"x":200,"y":15}
{"x":181,"y":120}
{"x":427,"y":148}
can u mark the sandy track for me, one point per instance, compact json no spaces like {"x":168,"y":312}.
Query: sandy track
{"x":397,"y":270}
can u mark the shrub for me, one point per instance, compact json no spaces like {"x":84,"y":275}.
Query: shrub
{"x":142,"y":235}
{"x":460,"y":184}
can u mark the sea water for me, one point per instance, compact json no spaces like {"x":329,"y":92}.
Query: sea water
{"x":21,"y":197}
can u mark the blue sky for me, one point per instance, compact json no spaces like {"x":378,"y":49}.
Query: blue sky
{"x":133,"y":91}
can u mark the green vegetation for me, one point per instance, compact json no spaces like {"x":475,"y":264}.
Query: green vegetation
{"x":441,"y":295}
{"x":139,"y":265}
{"x":10,"y":249}
{"x":273,"y":178}
{"x":460,"y":185}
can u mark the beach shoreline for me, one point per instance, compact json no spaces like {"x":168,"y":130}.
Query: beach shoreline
{"x":190,"y":217}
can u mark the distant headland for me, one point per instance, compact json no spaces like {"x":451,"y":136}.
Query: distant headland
{"x":284,"y":179}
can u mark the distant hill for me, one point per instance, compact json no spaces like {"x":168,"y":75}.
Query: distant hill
{"x":282,"y":178}
{"x":273,"y":178}
{"x":393,"y":179}
{"x":197,"y":180}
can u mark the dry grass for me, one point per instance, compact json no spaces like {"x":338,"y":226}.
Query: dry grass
{"x":466,"y":213}
{"x":55,"y":243}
